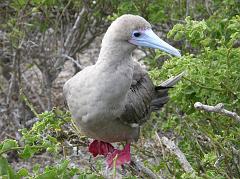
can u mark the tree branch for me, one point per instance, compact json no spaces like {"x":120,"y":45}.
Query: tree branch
{"x":219,"y":108}
{"x":139,"y":167}
{"x":74,"y":28}
{"x":67,"y":44}
{"x":73,"y":60}
{"x":173,"y":148}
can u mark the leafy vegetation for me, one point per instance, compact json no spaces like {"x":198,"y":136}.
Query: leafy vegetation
{"x":46,"y":135}
{"x":208,"y":34}
{"x":212,"y":76}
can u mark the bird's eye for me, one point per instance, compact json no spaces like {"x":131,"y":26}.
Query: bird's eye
{"x":136,"y":34}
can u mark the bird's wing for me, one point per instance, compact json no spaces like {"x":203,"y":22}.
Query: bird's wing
{"x":143,"y":97}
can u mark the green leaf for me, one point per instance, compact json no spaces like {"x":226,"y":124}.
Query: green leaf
{"x":23,"y":172}
{"x":63,"y":166}
{"x":49,"y":174}
{"x":52,"y":139}
{"x":9,"y":144}
{"x":6,"y":169}
{"x":36,"y":168}
{"x":3,"y":166}
{"x":27,"y":152}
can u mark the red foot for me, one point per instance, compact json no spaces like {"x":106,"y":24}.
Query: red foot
{"x":100,"y":148}
{"x":121,"y":157}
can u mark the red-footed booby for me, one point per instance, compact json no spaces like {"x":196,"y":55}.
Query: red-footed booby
{"x":111,"y":99}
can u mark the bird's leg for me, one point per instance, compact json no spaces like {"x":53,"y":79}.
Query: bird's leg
{"x":119,"y":157}
{"x":100,"y":148}
{"x":114,"y":156}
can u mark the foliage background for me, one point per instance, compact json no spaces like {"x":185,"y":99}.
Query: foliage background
{"x":36,"y":48}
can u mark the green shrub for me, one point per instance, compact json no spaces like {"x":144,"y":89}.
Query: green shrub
{"x":212,"y":77}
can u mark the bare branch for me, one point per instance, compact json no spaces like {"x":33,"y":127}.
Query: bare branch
{"x":187,"y":7}
{"x":208,"y":3}
{"x":174,"y":149}
{"x":71,"y":38}
{"x":139,"y":165}
{"x":219,"y":108}
{"x":75,"y":27}
{"x":73,"y":60}
{"x":31,"y":121}
{"x":13,"y":80}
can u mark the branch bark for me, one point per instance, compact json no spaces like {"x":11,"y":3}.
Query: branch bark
{"x":139,"y":166}
{"x":73,"y":36}
{"x":174,"y":149}
{"x":72,"y":31}
{"x":219,"y":108}
{"x":73,"y":60}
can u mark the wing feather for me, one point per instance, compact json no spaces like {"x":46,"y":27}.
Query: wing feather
{"x":143,"y":97}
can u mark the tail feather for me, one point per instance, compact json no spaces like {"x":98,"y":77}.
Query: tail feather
{"x":158,"y":103}
{"x":162,"y":92}
{"x":162,"y":87}
{"x":173,"y":80}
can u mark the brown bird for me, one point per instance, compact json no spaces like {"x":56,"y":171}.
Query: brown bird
{"x":110,"y":100}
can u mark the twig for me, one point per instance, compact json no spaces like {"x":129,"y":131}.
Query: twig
{"x":218,"y":161}
{"x":74,"y":28}
{"x":25,"y":99}
{"x":73,"y":60}
{"x":187,"y":7}
{"x":207,"y":3}
{"x":219,"y":108}
{"x":13,"y":79}
{"x":176,"y":151}
{"x":21,"y":148}
{"x":31,"y":121}
{"x":140,"y":167}
{"x":10,"y":88}
{"x":69,"y":40}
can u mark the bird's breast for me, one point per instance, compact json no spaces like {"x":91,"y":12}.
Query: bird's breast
{"x":97,"y":98}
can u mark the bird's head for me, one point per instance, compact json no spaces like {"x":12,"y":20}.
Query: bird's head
{"x":136,"y":31}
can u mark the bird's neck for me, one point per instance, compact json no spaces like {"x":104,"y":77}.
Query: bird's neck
{"x":115,"y":54}
{"x":115,"y":67}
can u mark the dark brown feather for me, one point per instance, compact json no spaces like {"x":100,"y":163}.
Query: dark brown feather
{"x":143,"y":97}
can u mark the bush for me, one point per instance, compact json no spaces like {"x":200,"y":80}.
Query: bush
{"x":210,"y":141}
{"x":208,"y":34}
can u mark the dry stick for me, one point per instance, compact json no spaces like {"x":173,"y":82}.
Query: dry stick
{"x":176,"y":151}
{"x":219,"y":108}
{"x":145,"y":170}
{"x":75,"y":27}
{"x":207,"y":4}
{"x":187,"y":7}
{"x":31,"y":121}
{"x":12,"y":80}
{"x":73,"y":60}
{"x":12,"y":86}
{"x":69,"y":39}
